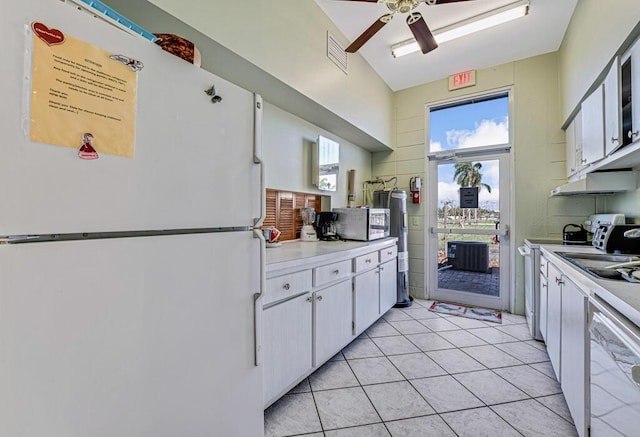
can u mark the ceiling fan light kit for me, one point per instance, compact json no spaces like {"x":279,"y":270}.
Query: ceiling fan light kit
{"x":415,"y":21}
{"x":466,"y":27}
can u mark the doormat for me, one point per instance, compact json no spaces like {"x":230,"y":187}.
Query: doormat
{"x":483,"y":314}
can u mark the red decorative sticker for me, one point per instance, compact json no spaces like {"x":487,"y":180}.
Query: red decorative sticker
{"x":86,"y":150}
{"x":50,"y":36}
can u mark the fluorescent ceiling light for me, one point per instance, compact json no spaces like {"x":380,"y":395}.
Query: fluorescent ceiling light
{"x":468,"y":26}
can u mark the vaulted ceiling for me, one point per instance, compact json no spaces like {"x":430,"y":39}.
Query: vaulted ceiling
{"x":541,"y":31}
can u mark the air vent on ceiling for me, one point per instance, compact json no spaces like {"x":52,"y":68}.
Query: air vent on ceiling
{"x":336,"y":53}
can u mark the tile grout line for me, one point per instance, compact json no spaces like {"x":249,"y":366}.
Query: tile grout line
{"x":513,"y":322}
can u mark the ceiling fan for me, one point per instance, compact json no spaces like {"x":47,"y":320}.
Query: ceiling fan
{"x":416,"y":22}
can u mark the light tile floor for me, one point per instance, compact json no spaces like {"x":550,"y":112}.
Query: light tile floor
{"x":420,"y":373}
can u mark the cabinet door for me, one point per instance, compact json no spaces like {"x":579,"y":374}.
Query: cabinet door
{"x":593,"y":127}
{"x":573,"y":354}
{"x":612,"y":109}
{"x":388,"y":285}
{"x":366,"y":299}
{"x":332,"y":328}
{"x":571,"y":148}
{"x":554,"y":314}
{"x":543,"y":306}
{"x":633,"y":132}
{"x":286,"y":344}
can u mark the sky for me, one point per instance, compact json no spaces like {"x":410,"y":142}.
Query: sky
{"x":478,"y":124}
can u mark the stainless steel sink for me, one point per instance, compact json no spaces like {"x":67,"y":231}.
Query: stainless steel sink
{"x":598,"y":264}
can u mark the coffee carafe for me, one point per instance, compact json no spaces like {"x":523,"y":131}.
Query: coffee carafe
{"x":326,"y":226}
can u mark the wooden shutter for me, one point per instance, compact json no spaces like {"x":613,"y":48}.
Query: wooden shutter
{"x":271,"y":217}
{"x":283,"y":211}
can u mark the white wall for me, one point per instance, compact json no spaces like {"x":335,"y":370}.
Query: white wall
{"x":287,"y":39}
{"x":538,"y":156}
{"x":597,"y":30}
{"x":287,"y":149}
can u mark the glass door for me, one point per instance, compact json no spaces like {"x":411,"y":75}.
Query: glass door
{"x":468,"y":248}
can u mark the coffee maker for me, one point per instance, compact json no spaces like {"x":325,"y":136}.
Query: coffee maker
{"x":326,"y":226}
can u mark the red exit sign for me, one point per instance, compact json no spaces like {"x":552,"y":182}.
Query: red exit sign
{"x":462,"y":80}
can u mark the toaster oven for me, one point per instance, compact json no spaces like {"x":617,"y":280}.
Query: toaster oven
{"x":362,"y":224}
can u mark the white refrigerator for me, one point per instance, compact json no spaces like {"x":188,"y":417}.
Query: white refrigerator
{"x":129,"y":286}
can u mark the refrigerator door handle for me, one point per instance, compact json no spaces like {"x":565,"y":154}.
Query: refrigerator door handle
{"x":257,"y":299}
{"x":257,"y":154}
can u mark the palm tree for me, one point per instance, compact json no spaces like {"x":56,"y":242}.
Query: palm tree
{"x":467,"y":174}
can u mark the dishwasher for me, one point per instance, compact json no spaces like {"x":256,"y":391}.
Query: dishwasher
{"x":614,"y":372}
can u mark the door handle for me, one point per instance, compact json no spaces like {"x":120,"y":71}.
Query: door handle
{"x":257,"y":156}
{"x":257,"y":299}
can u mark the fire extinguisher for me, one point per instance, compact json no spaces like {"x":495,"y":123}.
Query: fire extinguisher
{"x":416,"y":185}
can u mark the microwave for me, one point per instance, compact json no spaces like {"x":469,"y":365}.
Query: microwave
{"x":362,"y":224}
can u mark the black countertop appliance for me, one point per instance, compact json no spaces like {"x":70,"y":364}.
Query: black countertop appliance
{"x":618,"y":238}
{"x":577,"y":235}
{"x":326,"y":226}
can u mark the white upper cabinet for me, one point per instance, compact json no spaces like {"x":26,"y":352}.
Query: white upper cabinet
{"x":612,"y":108}
{"x":574,"y":144}
{"x":593,"y":127}
{"x":632,"y":132}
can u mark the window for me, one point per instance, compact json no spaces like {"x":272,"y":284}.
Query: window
{"x":472,"y":123}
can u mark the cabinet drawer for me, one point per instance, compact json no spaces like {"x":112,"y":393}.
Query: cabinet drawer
{"x":388,"y":253}
{"x":284,"y":286}
{"x":544,"y":267}
{"x":331,"y":272}
{"x":365,"y":262}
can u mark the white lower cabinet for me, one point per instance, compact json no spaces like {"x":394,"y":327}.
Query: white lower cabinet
{"x":554,"y":318}
{"x":567,"y":342}
{"x":332,"y":321}
{"x":314,"y":310}
{"x":575,"y":307}
{"x":388,"y":285}
{"x":366,"y":300}
{"x":544,"y":297}
{"x":287,"y":343}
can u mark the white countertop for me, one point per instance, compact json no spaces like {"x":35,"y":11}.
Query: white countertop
{"x":297,"y":253}
{"x":622,"y":295}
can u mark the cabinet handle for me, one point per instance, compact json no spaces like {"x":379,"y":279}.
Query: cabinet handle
{"x":559,"y":280}
{"x":286,"y":286}
{"x":336,"y":272}
{"x":381,"y":268}
{"x":319,"y":298}
{"x":614,"y":140}
{"x":310,"y":299}
{"x":544,"y":285}
{"x":390,"y":252}
{"x":632,"y":134}
{"x":583,"y":160}
{"x":368,"y":260}
{"x":377,"y":272}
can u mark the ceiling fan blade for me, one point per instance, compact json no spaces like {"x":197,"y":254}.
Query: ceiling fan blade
{"x":421,"y":32}
{"x":367,"y":34}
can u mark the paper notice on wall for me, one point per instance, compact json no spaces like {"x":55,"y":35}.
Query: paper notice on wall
{"x":78,"y":88}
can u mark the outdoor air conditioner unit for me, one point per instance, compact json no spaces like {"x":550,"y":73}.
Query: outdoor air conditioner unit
{"x":472,"y":256}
